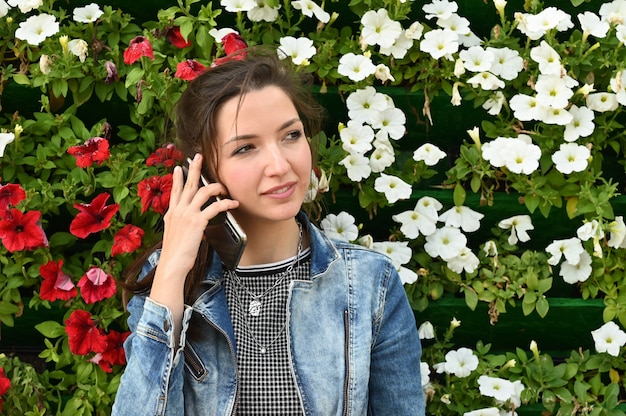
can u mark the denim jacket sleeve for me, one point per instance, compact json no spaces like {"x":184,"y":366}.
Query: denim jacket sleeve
{"x":395,"y":380}
{"x":152,"y":383}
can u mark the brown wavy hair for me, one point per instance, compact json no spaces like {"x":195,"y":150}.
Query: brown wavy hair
{"x":250,"y":70}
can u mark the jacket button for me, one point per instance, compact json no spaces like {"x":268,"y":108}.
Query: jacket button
{"x":166,"y":325}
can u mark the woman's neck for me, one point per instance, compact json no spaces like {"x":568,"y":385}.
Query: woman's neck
{"x":272,"y":242}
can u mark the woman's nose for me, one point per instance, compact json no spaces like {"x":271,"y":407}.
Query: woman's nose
{"x":277,"y":163}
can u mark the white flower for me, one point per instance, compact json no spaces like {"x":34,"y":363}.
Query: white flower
{"x":407,"y":276}
{"x":45,"y":64}
{"x":340,"y":227}
{"x":477,"y":59}
{"x":414,"y":31}
{"x":609,"y":338}
{"x":620,"y":33}
{"x":310,"y":8}
{"x":571,"y":248}
{"x":356,"y":67}
{"x":445,"y":242}
{"x":440,"y":9}
{"x":579,"y":272}
{"x":582,"y":124}
{"x":548,"y":59}
{"x":558,"y":116}
{"x":5,"y":139}
{"x":498,"y":388}
{"x":37,"y":28}
{"x":526,"y":107}
{"x":466,"y":260}
{"x":617,"y":228}
{"x":398,"y":251}
{"x":356,"y":137}
{"x":522,"y":157}
{"x":364,"y":103}
{"x":618,"y":86}
{"x":390,"y":122}
{"x":592,"y":230}
{"x":89,"y":13}
{"x":383,"y":73}
{"x":429,"y":206}
{"x":218,"y":34}
{"x":426,"y":330}
{"x":455,"y":23}
{"x":602,"y":102}
{"x":486,"y":411}
{"x":235,"y":6}
{"x":4,"y":8}
{"x":519,"y":225}
{"x":535,"y":26}
{"x":424,"y":373}
{"x":393,"y":187}
{"x":26,"y":6}
{"x":415,"y":223}
{"x":429,"y":153}
{"x":440,"y":43}
{"x":507,"y":63}
{"x":469,"y":39}
{"x":494,"y":103}
{"x":263,"y":12}
{"x":490,"y":248}
{"x":591,"y":24}
{"x":357,"y":166}
{"x":462,"y":217}
{"x":460,"y":362}
{"x":381,"y":158}
{"x":399,"y":48}
{"x":571,"y":158}
{"x":298,"y":49}
{"x":486,"y":81}
{"x":552,"y":91}
{"x":79,"y":48}
{"x":379,"y":29}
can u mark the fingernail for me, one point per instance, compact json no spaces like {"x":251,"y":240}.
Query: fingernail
{"x":196,"y":156}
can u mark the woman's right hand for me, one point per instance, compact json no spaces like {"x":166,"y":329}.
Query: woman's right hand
{"x":184,"y":225}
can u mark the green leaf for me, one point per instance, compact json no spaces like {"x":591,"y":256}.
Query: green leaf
{"x":50,"y":329}
{"x":459,"y":195}
{"x":133,"y":77}
{"x":21,"y":79}
{"x":471,"y":299}
{"x":542,"y":307}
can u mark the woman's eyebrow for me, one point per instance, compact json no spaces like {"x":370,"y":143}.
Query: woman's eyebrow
{"x":283,"y":126}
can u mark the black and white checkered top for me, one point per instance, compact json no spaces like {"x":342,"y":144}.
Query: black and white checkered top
{"x":267,"y":386}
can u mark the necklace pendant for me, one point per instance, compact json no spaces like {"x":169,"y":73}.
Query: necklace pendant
{"x":254,"y":308}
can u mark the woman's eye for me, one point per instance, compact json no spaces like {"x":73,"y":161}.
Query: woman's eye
{"x":294,"y":135}
{"x":242,"y":149}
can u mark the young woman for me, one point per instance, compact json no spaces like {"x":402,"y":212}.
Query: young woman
{"x":304,"y":325}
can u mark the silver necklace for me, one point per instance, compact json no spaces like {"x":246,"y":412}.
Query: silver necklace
{"x":254,"y":307}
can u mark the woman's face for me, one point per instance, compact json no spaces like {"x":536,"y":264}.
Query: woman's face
{"x":264,"y":156}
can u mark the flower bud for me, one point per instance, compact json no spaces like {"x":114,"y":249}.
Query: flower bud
{"x":64,"y":41}
{"x":455,"y":323}
{"x":426,"y":330}
{"x":18,"y":129}
{"x":44,"y":64}
{"x":475,"y":136}
{"x":535,"y":349}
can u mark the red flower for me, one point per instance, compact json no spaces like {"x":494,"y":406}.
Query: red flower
{"x":167,"y":155}
{"x":95,"y":150}
{"x":233,"y":42}
{"x":93,"y":217}
{"x":174,"y":37}
{"x":234,"y":46}
{"x":10,"y":195}
{"x":114,"y":353}
{"x":127,"y":240}
{"x":139,"y":46}
{"x":5,"y":383}
{"x":83,"y":334}
{"x":155,"y":193}
{"x":189,"y":69}
{"x":96,"y":285}
{"x":22,"y":231}
{"x":56,"y":284}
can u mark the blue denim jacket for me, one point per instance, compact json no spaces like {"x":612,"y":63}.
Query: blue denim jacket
{"x":352,"y":335}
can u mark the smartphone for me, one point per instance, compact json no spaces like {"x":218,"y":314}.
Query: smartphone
{"x":224,"y":233}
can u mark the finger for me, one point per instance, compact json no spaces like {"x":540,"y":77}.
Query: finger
{"x":177,"y":186}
